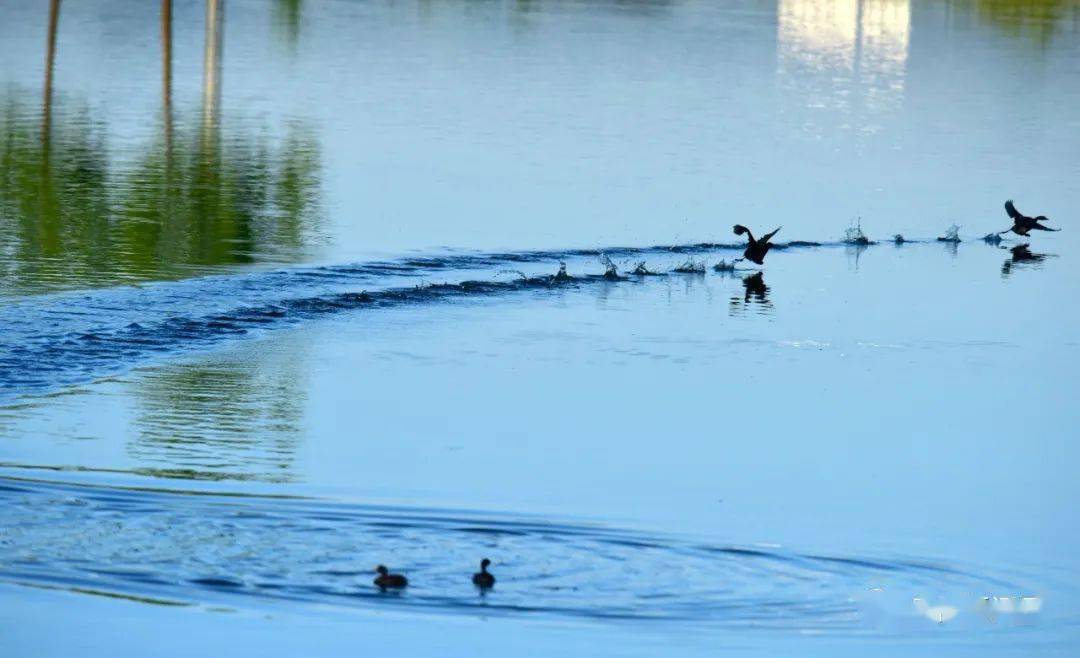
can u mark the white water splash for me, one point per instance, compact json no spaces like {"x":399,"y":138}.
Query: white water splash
{"x":691,"y":266}
{"x":854,"y":234}
{"x":952,"y":234}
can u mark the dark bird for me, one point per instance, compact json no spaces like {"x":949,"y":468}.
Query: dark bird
{"x":386,"y":580}
{"x":1022,"y":224}
{"x":755,"y":249}
{"x":1020,"y":255}
{"x":482,"y":578}
{"x":755,"y":293}
{"x":756,"y":290}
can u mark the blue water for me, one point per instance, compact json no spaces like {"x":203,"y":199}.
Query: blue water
{"x":256,"y":340}
{"x":219,"y":549}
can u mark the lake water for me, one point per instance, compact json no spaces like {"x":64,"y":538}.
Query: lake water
{"x":278,"y":303}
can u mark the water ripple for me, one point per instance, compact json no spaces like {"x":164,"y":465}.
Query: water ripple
{"x":174,"y":546}
{"x":52,"y":341}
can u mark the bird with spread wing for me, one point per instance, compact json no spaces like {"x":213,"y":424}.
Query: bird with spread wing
{"x":1022,"y":224}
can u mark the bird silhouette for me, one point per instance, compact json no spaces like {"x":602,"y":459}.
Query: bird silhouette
{"x":1022,"y":224}
{"x":482,"y":578}
{"x":755,"y":293}
{"x":756,"y":290}
{"x":1020,"y":255}
{"x":755,"y":249}
{"x":386,"y":580}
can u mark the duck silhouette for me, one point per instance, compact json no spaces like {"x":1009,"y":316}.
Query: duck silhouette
{"x":755,"y":293}
{"x":1022,"y":224}
{"x":756,"y":290}
{"x":386,"y":580}
{"x":1020,"y":255}
{"x":482,"y":578}
{"x":755,"y":249}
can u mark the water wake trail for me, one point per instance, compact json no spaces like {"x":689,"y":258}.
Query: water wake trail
{"x":58,"y":340}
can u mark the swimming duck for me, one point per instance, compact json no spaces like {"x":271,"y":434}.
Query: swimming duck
{"x":386,"y":580}
{"x":755,"y":249}
{"x":482,"y":578}
{"x":1022,"y":224}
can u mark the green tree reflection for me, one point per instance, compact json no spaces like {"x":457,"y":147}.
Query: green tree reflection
{"x":1034,"y":19}
{"x":205,"y":193}
{"x":286,"y":18}
{"x":235,"y":418}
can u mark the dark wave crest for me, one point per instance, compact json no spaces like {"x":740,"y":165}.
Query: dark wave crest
{"x":64,"y":339}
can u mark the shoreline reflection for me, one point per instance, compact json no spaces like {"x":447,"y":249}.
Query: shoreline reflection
{"x":232,"y":419}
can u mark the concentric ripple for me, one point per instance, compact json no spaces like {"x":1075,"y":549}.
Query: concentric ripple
{"x":195,"y":548}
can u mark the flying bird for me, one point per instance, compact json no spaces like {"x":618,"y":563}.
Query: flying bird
{"x":755,"y":249}
{"x":1022,"y":224}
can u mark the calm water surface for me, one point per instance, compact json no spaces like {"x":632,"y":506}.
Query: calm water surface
{"x":278,"y":305}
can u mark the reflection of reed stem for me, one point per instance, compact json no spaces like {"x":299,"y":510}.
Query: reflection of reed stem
{"x":166,"y":77}
{"x":215,"y":16}
{"x":50,"y":57}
